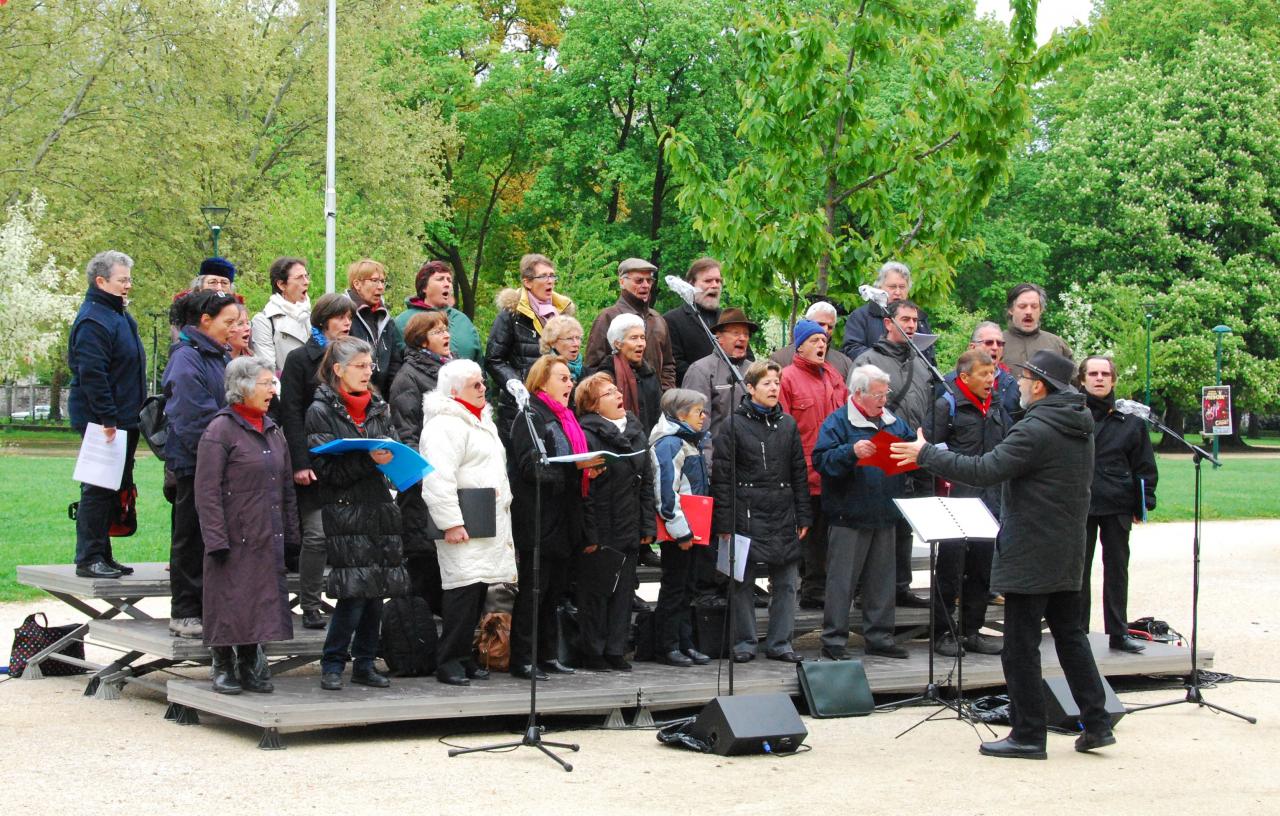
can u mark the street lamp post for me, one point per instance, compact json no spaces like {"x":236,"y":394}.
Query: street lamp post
{"x":1150,"y":309}
{"x":1218,"y":332}
{"x":214,"y":218}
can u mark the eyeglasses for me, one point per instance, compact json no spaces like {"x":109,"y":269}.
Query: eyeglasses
{"x":544,"y":278}
{"x":376,"y":281}
{"x":122,"y":281}
{"x":360,"y":365}
{"x":640,"y":278}
{"x":888,"y":392}
{"x":997,"y":343}
{"x":572,"y":338}
{"x":438,"y":333}
{"x":271,"y":383}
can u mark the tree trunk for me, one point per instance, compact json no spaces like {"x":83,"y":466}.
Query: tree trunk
{"x":659,"y":193}
{"x":55,"y":391}
{"x":1174,"y":418}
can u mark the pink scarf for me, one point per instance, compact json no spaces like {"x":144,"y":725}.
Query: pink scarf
{"x":572,"y":430}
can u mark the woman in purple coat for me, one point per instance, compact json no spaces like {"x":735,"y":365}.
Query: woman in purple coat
{"x":245,"y":501}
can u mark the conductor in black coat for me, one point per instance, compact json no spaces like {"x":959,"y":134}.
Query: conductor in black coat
{"x":1046,"y":465}
{"x":1124,"y":488}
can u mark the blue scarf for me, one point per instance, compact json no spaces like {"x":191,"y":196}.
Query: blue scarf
{"x":319,"y":337}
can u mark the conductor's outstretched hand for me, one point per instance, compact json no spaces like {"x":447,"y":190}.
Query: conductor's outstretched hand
{"x":908,"y":451}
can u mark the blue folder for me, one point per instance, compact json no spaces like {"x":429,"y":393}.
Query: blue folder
{"x":406,"y":468}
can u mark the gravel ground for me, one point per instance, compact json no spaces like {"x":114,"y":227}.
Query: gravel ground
{"x":69,"y":753}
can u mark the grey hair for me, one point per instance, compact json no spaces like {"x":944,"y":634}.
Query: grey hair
{"x":986,"y":324}
{"x":861,"y":378}
{"x":100,"y":265}
{"x":890,"y":267}
{"x":678,"y":401}
{"x":619,"y":327}
{"x":556,"y":328}
{"x":241,"y":376}
{"x":821,"y":307}
{"x":454,"y":374}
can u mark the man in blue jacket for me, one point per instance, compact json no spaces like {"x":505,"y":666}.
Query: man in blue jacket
{"x":859,"y":505}
{"x":108,"y":385}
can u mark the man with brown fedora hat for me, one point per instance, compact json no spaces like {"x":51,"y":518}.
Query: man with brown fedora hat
{"x":1046,"y":466}
{"x":712,"y":378}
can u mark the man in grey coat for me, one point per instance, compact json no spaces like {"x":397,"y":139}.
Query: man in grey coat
{"x":910,"y":397}
{"x":1046,"y":465}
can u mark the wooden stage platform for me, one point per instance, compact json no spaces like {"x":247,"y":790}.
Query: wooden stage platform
{"x":300,"y":703}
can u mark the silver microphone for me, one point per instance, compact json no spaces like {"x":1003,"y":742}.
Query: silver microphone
{"x":874,"y":295}
{"x":1137,"y":409}
{"x":682,"y":287}
{"x":517,"y":390}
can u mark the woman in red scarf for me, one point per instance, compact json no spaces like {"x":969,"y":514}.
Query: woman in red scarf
{"x":638,"y":382}
{"x":561,"y":488}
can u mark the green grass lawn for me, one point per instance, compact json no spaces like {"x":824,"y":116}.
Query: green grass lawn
{"x":35,"y":492}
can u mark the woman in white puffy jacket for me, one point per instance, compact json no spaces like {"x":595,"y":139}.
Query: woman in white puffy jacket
{"x":461,"y":442}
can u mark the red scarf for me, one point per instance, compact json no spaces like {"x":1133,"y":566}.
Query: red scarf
{"x":357,"y":405}
{"x":625,"y":377}
{"x":251,"y":415}
{"x":983,"y":405}
{"x":475,"y":412}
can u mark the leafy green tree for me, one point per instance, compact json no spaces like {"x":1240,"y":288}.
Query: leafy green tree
{"x":1167,"y":182}
{"x":871,"y":130}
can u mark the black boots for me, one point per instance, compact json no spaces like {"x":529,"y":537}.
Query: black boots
{"x":255,"y":672}
{"x":224,"y":670}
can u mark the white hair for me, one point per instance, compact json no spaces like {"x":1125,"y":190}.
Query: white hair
{"x":104,"y":263}
{"x":454,"y":374}
{"x":860,"y":378}
{"x":241,"y":377}
{"x":893,"y":267}
{"x":821,"y":307}
{"x":620,"y":326}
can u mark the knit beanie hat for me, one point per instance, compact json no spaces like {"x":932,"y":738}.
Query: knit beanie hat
{"x":218,"y":266}
{"x":806,"y":329}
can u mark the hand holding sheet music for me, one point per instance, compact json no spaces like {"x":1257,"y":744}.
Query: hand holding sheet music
{"x":883,"y":459}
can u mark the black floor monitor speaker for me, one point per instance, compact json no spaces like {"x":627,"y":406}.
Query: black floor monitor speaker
{"x":750,"y":724}
{"x":1061,"y":710}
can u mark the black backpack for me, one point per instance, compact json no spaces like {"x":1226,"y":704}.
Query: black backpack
{"x":154,"y":424}
{"x":408,"y":637}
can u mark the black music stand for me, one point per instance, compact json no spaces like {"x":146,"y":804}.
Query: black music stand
{"x":532,"y":737}
{"x":1194,"y":694}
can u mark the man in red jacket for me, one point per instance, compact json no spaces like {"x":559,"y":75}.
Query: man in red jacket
{"x":811,"y":390}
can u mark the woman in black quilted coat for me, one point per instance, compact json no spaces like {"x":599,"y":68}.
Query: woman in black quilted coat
{"x":361,"y":521}
{"x":619,"y":515}
{"x":772,"y":508}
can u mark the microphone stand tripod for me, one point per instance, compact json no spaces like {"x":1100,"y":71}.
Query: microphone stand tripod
{"x":1194,"y":694}
{"x":532,"y":737}
{"x":734,"y":382}
{"x":932,"y":693}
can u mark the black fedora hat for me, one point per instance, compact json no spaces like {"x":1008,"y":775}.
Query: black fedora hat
{"x":731,"y":316}
{"x":1053,"y":368}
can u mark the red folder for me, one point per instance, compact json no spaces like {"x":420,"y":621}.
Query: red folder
{"x":697,"y":511}
{"x":883,"y":459}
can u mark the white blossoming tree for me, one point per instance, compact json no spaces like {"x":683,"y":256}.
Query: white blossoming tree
{"x":37,"y":297}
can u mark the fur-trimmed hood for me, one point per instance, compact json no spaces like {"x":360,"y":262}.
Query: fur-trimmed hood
{"x":517,"y":300}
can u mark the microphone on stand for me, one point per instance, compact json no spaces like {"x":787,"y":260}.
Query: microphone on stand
{"x":1134,"y":408}
{"x":874,"y":295}
{"x":517,"y":390}
{"x":687,"y":291}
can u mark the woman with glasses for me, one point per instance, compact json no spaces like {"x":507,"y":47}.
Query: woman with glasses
{"x":361,"y":521}
{"x":245,"y":499}
{"x":563,"y":336}
{"x":373,"y":324}
{"x":426,"y":338}
{"x":515,"y":340}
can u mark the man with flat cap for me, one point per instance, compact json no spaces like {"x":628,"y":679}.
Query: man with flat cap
{"x":635,"y":280}
{"x":1046,"y":465}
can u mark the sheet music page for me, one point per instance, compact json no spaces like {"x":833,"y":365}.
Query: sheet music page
{"x":974,"y":518}
{"x":101,"y":463}
{"x":948,"y":519}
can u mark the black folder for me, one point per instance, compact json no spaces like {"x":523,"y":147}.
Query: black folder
{"x":598,"y":572}
{"x":478,"y":505}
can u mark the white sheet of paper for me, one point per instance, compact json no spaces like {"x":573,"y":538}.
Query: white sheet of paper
{"x":741,"y":547}
{"x":101,"y":463}
{"x":935,"y":518}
